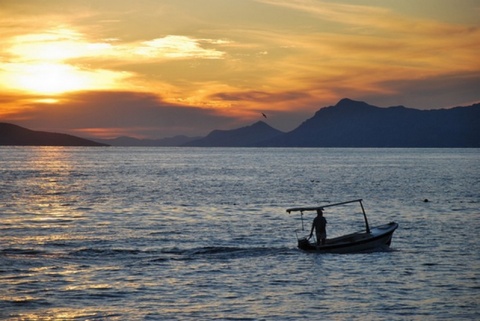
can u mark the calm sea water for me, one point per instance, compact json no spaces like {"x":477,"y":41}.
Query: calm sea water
{"x":202,"y":234}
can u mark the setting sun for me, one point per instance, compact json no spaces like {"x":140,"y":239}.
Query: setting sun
{"x":50,"y":79}
{"x":45,"y":64}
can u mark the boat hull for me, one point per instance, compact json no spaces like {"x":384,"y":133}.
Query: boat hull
{"x":380,"y":237}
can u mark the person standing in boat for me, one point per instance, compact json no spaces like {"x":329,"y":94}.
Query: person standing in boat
{"x":319,"y":224}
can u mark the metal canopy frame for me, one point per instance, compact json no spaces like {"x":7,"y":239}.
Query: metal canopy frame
{"x":314,"y":208}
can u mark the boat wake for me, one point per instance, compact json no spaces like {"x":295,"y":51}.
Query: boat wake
{"x":225,"y":252}
{"x":165,"y":254}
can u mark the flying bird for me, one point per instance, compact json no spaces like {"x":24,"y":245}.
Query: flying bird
{"x":264,"y":115}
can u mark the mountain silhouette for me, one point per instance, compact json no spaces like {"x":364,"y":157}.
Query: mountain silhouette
{"x":357,"y":124}
{"x":349,"y":123}
{"x":13,"y":135}
{"x":241,"y":137}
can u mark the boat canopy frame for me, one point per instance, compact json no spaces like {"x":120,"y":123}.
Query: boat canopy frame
{"x":314,"y":208}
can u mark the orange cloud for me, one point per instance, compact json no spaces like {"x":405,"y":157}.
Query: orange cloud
{"x":144,"y":114}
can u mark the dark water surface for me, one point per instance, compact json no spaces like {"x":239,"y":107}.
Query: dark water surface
{"x":202,"y":234}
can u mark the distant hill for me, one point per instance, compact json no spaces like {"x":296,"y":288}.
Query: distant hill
{"x":347,"y":124}
{"x":357,"y":124}
{"x":13,"y":135}
{"x":242,"y":137}
{"x":130,"y":141}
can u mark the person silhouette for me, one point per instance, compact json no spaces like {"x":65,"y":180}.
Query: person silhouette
{"x":319,"y":224}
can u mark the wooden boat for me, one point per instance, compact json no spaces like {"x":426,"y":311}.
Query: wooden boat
{"x":375,"y":238}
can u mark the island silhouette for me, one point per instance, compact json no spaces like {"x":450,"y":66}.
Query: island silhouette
{"x":349,"y":123}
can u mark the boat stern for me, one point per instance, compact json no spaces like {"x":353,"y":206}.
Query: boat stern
{"x":304,"y":244}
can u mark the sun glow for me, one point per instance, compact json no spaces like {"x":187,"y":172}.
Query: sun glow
{"x":50,"y":78}
{"x":43,"y":64}
{"x":53,"y":79}
{"x":52,"y":62}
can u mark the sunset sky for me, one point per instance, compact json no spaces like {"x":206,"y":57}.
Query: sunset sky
{"x":159,"y":68}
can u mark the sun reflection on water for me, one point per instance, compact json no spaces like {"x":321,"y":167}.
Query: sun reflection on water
{"x":51,"y":169}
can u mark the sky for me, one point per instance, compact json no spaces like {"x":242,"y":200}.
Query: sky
{"x":160,"y":68}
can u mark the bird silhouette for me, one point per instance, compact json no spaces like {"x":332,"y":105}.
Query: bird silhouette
{"x":264,"y":115}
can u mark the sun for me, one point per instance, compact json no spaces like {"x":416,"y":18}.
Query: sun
{"x":41,"y":62}
{"x":50,"y":78}
{"x":57,"y":78}
{"x":44,"y":64}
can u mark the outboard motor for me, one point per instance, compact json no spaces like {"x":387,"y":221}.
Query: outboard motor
{"x":303,"y":243}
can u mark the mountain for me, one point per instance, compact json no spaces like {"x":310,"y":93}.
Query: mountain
{"x":11,"y":135}
{"x":357,"y":124}
{"x":349,"y":123}
{"x":130,"y":141}
{"x":241,"y":137}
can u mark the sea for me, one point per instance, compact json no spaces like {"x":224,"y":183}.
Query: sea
{"x":133,"y":233}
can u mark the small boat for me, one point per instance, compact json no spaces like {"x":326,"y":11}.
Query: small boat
{"x":371,"y":239}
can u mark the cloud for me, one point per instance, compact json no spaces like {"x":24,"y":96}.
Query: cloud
{"x":65,"y":44}
{"x":173,"y":46}
{"x":418,"y":93}
{"x":260,"y":96}
{"x":140,"y":114}
{"x":55,"y":44}
{"x":363,"y":18}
